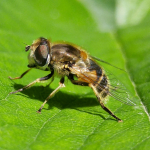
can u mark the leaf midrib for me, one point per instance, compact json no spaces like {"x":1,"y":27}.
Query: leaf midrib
{"x":122,"y":49}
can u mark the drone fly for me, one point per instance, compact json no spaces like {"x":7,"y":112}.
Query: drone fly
{"x":68,"y":60}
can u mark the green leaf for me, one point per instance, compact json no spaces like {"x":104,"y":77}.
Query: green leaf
{"x":115,"y":31}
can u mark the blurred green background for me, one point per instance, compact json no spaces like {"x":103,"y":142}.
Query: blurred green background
{"x":116,"y":31}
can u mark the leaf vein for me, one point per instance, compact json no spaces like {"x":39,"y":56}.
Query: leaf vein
{"x":35,"y":138}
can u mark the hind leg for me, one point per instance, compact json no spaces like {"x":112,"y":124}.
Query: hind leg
{"x":102,"y":104}
{"x":76,"y":82}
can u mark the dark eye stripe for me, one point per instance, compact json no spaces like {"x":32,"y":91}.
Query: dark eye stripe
{"x":43,"y":51}
{"x":41,"y":54}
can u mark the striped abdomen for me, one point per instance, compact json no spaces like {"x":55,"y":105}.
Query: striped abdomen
{"x":100,"y":84}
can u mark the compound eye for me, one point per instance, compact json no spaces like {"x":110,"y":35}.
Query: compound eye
{"x":41,"y":54}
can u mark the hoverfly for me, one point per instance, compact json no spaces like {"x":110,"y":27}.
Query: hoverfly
{"x":68,"y":60}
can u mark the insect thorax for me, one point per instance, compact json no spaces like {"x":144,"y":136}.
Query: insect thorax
{"x":60,"y":69}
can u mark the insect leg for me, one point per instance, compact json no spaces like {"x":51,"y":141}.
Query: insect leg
{"x":37,"y":80}
{"x":108,"y":110}
{"x":76,"y":82}
{"x":21,"y":75}
{"x":61,"y":84}
{"x":103,"y":106}
{"x":50,"y":81}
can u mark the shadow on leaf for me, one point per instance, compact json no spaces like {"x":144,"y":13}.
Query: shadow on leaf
{"x":61,"y":100}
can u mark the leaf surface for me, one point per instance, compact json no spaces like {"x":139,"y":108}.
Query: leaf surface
{"x":73,"y":119}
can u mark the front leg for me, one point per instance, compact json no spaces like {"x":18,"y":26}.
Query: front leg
{"x":37,"y":80}
{"x":21,"y":75}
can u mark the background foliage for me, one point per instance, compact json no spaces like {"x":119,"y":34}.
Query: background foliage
{"x":115,"y":31}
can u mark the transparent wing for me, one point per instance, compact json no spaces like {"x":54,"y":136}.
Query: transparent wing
{"x":116,"y":89}
{"x":98,"y":59}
